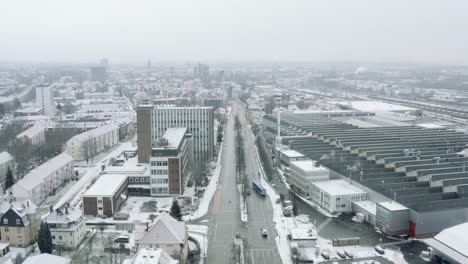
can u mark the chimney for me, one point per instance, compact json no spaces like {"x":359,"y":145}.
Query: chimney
{"x":27,"y":203}
{"x":51,"y":208}
{"x":66,"y":210}
{"x":147,"y":226}
{"x":317,"y":163}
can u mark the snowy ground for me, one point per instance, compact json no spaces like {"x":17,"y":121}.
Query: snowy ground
{"x":76,"y":192}
{"x":209,"y":192}
{"x":139,"y":209}
{"x":243,"y":205}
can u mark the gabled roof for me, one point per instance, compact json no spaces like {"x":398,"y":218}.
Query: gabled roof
{"x":37,"y":175}
{"x":46,"y":258}
{"x":165,"y":230}
{"x":5,"y":157}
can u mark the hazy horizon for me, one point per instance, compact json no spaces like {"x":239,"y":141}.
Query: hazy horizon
{"x":434,"y":32}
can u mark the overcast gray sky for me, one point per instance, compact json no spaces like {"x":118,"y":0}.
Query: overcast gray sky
{"x":222,"y":30}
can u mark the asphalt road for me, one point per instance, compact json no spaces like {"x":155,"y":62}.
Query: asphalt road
{"x":224,"y":219}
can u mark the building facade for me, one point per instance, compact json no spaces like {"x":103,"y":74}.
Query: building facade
{"x":304,"y":172}
{"x":154,"y":121}
{"x":19,"y":223}
{"x":169,"y":163}
{"x":336,"y":196}
{"x":84,"y":146}
{"x":43,"y":180}
{"x":67,"y":227}
{"x":168,"y":234}
{"x":106,"y":195}
{"x":34,"y":135}
{"x":44,"y":99}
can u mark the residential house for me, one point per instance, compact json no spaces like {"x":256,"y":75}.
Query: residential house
{"x":168,"y":234}
{"x":67,"y":227}
{"x":151,"y":256}
{"x":43,"y":180}
{"x":19,"y":223}
{"x":46,"y":259}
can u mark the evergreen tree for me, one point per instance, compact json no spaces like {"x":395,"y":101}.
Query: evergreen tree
{"x":295,"y":211}
{"x":9,"y":181}
{"x":175,"y":210}
{"x":44,"y":239}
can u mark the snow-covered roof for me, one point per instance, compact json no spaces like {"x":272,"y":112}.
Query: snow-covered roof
{"x":32,"y":131}
{"x":375,"y":106}
{"x":129,"y":167}
{"x":22,"y":208}
{"x":106,"y":185}
{"x":174,"y":136}
{"x":292,"y":153}
{"x":307,"y":165}
{"x":95,"y":132}
{"x":5,"y":157}
{"x":64,"y":216}
{"x":46,"y":258}
{"x":367,"y":205}
{"x":37,"y":175}
{"x":393,"y":206}
{"x":152,"y":256}
{"x":452,"y":242}
{"x":165,"y":230}
{"x":338,"y":187}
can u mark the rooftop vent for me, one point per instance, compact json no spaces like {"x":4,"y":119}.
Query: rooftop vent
{"x":163,"y":142}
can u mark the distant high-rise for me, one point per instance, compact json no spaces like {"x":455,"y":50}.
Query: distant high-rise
{"x":98,"y":74}
{"x":148,"y":64}
{"x":153,"y":121}
{"x":44,"y":99}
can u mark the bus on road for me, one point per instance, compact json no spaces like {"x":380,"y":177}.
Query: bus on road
{"x":257,"y":186}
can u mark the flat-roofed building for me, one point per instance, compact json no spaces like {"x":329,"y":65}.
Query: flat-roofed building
{"x":392,"y":218}
{"x":106,"y":195}
{"x":336,"y":196}
{"x":169,"y":162}
{"x":304,"y":172}
{"x":153,"y":121}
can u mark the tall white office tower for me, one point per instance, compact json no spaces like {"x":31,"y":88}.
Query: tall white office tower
{"x":44,"y":99}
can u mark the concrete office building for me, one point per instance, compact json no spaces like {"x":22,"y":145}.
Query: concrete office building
{"x":44,"y":99}
{"x":169,"y":162}
{"x":336,"y":196}
{"x":106,"y":195}
{"x":153,"y":121}
{"x":304,"y":172}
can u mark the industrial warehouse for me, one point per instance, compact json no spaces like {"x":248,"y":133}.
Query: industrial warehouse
{"x":414,"y":174}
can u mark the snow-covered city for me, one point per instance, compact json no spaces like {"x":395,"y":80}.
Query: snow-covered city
{"x":216,"y":132}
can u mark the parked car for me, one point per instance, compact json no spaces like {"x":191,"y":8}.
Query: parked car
{"x":349,"y":254}
{"x":264,"y":232}
{"x":325,"y":255}
{"x":341,"y":254}
{"x":379,"y":250}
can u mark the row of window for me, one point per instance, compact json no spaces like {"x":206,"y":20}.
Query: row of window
{"x":5,"y":221}
{"x":142,"y":180}
{"x":158,"y":172}
{"x":156,"y":181}
{"x":160,"y":190}
{"x":18,"y":229}
{"x":158,"y":163}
